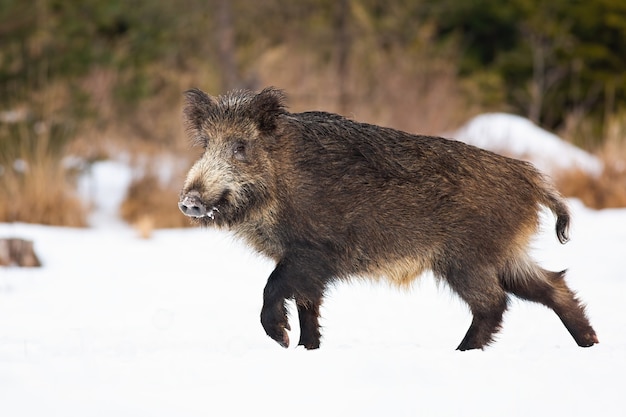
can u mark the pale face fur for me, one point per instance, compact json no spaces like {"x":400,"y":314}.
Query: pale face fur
{"x":233,"y":177}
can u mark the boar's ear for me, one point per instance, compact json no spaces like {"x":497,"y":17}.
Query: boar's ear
{"x":198,"y":107}
{"x":267,"y":106}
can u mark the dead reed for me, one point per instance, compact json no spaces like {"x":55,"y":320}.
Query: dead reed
{"x":150,"y":204}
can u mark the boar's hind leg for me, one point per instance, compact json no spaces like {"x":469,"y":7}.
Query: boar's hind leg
{"x":549,"y":288}
{"x":487,"y":301}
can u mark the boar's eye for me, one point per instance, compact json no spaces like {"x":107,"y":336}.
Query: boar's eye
{"x":239,"y":151}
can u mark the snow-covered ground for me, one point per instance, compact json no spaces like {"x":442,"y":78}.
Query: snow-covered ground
{"x":115,"y":325}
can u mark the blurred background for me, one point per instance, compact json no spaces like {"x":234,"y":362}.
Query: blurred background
{"x":96,"y":80}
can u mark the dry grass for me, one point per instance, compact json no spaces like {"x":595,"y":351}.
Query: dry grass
{"x":44,"y":192}
{"x":39,"y":191}
{"x":35,"y":186}
{"x":150,"y":204}
{"x":416,"y":95}
{"x":607,"y":190}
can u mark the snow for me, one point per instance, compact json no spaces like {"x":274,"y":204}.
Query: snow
{"x":104,"y":188}
{"x":116,"y":325}
{"x":520,"y":138}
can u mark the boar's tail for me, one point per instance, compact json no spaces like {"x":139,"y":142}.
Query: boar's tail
{"x":554,"y":201}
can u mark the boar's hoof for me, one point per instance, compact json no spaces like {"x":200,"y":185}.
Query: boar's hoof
{"x":309,"y":343}
{"x":587,"y":340}
{"x":277,"y":330}
{"x":191,"y":205}
{"x":279,"y":334}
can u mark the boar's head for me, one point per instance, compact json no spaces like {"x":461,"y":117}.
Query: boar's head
{"x":233,"y":178}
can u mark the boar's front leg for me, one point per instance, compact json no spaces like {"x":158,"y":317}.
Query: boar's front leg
{"x":308,"y":313}
{"x":274,"y":312}
{"x":304,"y":282}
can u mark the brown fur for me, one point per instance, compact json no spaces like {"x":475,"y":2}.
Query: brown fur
{"x":328,"y":198}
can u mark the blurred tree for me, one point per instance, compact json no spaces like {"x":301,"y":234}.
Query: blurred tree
{"x":226,"y":45}
{"x":554,"y":57}
{"x":543,"y":59}
{"x":343,"y":41}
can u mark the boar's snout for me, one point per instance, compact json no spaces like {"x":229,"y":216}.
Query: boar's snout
{"x":191,"y":205}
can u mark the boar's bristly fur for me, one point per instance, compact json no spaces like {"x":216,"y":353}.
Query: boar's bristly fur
{"x":328,"y":198}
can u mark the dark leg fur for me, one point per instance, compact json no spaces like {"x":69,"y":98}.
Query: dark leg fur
{"x":274,"y":312}
{"x":308,"y":313}
{"x":486,"y":322}
{"x":487,"y":301}
{"x":553,"y":292}
{"x":303,"y":281}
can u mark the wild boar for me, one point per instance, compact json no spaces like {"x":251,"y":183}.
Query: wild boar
{"x":328,"y":198}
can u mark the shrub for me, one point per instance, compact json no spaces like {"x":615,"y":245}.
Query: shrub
{"x":151,"y":204}
{"x":38,"y":191}
{"x":607,"y":190}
